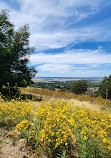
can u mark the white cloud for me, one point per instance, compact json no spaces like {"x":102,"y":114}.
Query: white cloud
{"x":65,"y":70}
{"x":50,"y":21}
{"x":72,"y":63}
{"x":72,"y":57}
{"x":57,"y":68}
{"x":54,"y":24}
{"x":4,"y":5}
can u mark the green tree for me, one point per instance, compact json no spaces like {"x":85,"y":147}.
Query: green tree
{"x":105,"y":88}
{"x":14,"y":51}
{"x":79,"y":87}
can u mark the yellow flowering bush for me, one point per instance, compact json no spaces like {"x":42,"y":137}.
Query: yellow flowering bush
{"x":56,"y":132}
{"x":103,"y":103}
{"x":92,"y":130}
{"x":11,"y":113}
{"x":54,"y":126}
{"x":58,"y":125}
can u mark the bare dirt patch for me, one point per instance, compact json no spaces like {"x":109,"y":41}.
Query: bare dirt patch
{"x":10,"y":147}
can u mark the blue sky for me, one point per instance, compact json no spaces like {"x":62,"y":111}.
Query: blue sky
{"x":72,"y":37}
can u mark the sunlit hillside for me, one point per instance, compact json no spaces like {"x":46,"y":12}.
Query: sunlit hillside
{"x":83,"y":100}
{"x":60,"y":125}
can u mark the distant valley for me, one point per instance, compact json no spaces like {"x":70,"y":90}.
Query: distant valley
{"x":65,"y":79}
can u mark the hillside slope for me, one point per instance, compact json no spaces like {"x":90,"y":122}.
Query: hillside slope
{"x":61,"y":125}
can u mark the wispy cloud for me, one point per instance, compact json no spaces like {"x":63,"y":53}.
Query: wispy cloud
{"x":56,"y":70}
{"x":72,"y":57}
{"x":55,"y":24}
{"x":72,"y":63}
{"x":52,"y":23}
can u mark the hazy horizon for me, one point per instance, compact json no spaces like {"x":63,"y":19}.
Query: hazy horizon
{"x":67,"y":77}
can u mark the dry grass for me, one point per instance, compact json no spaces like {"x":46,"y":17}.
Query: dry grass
{"x":82,"y":100}
{"x":79,"y":121}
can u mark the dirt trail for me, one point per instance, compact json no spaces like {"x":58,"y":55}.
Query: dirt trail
{"x":10,"y":148}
